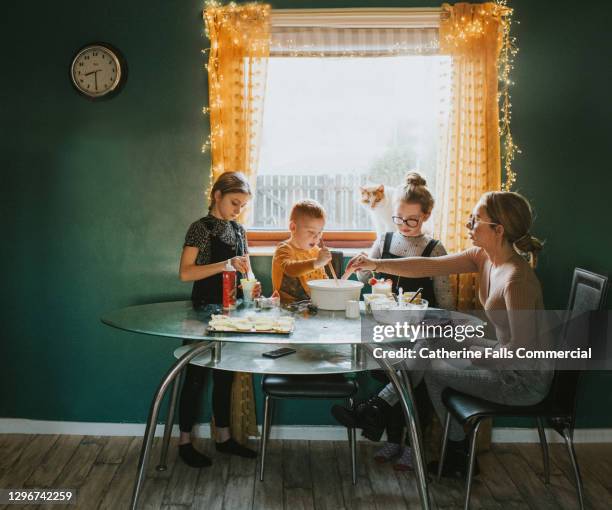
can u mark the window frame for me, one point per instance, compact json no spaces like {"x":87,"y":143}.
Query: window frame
{"x":333,"y":238}
{"x":408,"y":17}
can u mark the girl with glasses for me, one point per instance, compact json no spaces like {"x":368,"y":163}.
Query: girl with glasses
{"x":408,"y":240}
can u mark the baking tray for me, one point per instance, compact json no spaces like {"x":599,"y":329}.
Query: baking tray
{"x":253,"y":331}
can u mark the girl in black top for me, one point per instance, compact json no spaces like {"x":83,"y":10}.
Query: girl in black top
{"x":210,"y":242}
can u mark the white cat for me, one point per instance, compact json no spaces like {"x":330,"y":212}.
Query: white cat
{"x":380,"y":202}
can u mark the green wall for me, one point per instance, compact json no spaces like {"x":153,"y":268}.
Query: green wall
{"x":96,"y":197}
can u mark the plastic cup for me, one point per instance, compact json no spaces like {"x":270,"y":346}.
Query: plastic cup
{"x":352,"y":309}
{"x":382,"y":288}
{"x":247,"y":289}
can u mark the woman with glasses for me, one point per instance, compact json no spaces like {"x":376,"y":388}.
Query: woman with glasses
{"x":504,"y":255}
{"x":410,"y":213}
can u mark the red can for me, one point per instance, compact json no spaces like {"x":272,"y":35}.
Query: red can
{"x":229,"y":286}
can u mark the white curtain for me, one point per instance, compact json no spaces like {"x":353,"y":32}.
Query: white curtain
{"x":355,"y":42}
{"x":338,"y":42}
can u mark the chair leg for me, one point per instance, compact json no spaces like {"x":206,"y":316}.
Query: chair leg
{"x":471,"y":462}
{"x":545,"y":456}
{"x":567,"y":435}
{"x":444,"y":444}
{"x":265,"y":435}
{"x":352,"y":437}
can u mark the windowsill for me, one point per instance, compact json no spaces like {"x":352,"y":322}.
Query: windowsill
{"x":360,"y":237}
{"x":268,"y":250}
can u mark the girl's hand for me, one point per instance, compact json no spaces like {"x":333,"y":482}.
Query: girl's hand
{"x":361,"y":262}
{"x":240,"y":264}
{"x":257,"y":290}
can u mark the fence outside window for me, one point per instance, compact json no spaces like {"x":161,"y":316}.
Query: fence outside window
{"x":339,"y":194}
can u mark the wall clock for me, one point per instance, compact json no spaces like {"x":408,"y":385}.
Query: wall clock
{"x":98,"y":71}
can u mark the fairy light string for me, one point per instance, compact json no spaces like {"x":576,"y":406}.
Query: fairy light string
{"x":507,"y":55}
{"x":509,"y":50}
{"x":232,"y":19}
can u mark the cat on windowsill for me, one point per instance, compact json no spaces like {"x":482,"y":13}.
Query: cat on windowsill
{"x":380,"y":201}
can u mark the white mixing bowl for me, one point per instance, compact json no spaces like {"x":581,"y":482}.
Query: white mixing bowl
{"x":390,"y":313}
{"x":329,"y":295}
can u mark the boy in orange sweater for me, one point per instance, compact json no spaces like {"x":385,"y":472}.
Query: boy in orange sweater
{"x":299,"y":259}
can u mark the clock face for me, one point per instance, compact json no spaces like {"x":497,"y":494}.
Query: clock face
{"x":96,"y":71}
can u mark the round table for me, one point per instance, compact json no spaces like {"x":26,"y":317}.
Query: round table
{"x":326,"y":342}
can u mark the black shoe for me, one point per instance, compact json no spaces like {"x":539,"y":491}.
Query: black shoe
{"x":349,"y":419}
{"x":232,"y":447}
{"x":371,"y":416}
{"x":455,"y":465}
{"x":193,"y":457}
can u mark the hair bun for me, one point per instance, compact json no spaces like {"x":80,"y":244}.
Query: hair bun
{"x":415,"y":179}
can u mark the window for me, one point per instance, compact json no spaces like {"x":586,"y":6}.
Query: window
{"x":353,"y":97}
{"x":331,"y":125}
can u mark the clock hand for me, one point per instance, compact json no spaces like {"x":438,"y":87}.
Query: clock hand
{"x":92,"y":72}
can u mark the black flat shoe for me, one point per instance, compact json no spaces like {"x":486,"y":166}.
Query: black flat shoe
{"x":344,"y":416}
{"x":453,"y":468}
{"x":192,"y":457}
{"x":371,"y":416}
{"x":232,"y":447}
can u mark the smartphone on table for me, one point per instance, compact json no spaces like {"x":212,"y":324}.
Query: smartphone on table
{"x":277,"y":353}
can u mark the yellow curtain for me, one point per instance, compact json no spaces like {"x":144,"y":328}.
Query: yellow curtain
{"x":470,"y":153}
{"x":239,"y":48}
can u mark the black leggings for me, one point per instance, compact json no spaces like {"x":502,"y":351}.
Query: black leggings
{"x":191,"y":396}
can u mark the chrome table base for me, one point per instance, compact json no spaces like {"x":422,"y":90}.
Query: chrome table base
{"x":171,"y":376}
{"x":359,"y":354}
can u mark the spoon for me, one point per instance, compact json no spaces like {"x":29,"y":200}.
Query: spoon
{"x":250,"y":274}
{"x":330,"y":265}
{"x":416,"y":294}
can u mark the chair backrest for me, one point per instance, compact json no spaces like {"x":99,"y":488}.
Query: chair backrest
{"x":337,"y":262}
{"x":587,"y":294}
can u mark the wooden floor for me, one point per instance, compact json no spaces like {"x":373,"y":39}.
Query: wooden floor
{"x":299,"y":475}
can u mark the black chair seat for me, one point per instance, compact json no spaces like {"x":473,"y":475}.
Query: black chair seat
{"x":308,"y":386}
{"x":466,"y":407}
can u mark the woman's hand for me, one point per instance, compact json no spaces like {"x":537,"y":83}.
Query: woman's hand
{"x":361,"y":262}
{"x":240,"y":264}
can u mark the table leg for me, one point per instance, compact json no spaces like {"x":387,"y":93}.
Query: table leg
{"x":358,"y":353}
{"x":169,"y":423}
{"x":147,"y":441}
{"x":403,"y":387}
{"x":215,"y":353}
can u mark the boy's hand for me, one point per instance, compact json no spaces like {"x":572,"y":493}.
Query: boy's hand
{"x":323,"y":258}
{"x":240,"y":264}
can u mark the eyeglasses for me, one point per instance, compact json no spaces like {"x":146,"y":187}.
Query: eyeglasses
{"x":472,"y":220}
{"x":411,"y":222}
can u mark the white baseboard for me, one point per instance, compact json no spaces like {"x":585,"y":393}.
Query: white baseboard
{"x":23,"y":426}
{"x":529,"y":435}
{"x":304,"y":432}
